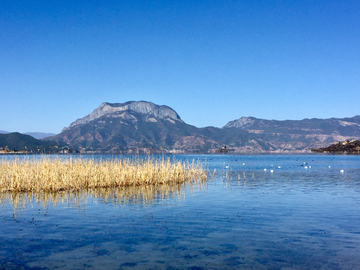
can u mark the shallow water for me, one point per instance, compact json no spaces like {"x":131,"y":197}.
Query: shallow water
{"x":303,"y":215}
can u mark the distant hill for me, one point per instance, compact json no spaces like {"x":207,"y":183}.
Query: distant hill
{"x":143,"y":127}
{"x":36,"y":135}
{"x":21,"y":142}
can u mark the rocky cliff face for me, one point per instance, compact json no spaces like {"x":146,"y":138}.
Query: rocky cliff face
{"x":142,"y":107}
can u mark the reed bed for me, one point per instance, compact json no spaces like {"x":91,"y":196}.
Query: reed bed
{"x":79,"y":174}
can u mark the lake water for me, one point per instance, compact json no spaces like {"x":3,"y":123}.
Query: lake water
{"x":303,"y":212}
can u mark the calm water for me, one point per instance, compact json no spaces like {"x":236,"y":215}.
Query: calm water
{"x":302,"y":215}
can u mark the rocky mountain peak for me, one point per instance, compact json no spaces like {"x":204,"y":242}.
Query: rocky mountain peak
{"x":241,"y":122}
{"x":142,"y":107}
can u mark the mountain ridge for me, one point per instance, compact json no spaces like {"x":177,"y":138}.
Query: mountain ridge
{"x":141,"y":125}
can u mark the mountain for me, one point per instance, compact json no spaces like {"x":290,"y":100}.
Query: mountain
{"x":21,"y":142}
{"x":131,"y":127}
{"x":140,"y":126}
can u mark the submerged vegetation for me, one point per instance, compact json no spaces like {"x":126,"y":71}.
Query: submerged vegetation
{"x":56,"y":175}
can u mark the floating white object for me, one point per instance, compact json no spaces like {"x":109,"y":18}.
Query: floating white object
{"x":243,"y":163}
{"x":305,"y":167}
{"x":341,"y":171}
{"x":309,"y":166}
{"x":271,"y":170}
{"x":264,"y":169}
{"x":279,"y":167}
{"x":329,"y":166}
{"x":227,"y":167}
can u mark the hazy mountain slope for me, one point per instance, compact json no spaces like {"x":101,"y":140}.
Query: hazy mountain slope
{"x":298,"y":135}
{"x":39,"y":135}
{"x":342,"y":126}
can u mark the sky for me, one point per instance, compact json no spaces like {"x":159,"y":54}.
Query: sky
{"x":211,"y":61}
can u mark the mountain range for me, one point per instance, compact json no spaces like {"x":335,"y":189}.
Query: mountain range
{"x":144,"y":127}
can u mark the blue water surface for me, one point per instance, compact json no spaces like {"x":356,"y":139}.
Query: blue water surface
{"x":302,"y":212}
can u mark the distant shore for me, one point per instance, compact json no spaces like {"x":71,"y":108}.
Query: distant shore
{"x":346,"y":147}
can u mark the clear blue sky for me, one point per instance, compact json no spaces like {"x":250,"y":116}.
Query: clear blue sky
{"x":211,"y":61}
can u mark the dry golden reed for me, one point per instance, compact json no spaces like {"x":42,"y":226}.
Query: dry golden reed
{"x":78,"y":174}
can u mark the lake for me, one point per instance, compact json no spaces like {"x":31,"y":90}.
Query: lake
{"x":256,"y":212}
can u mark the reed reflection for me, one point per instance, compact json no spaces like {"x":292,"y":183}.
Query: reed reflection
{"x":143,"y":194}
